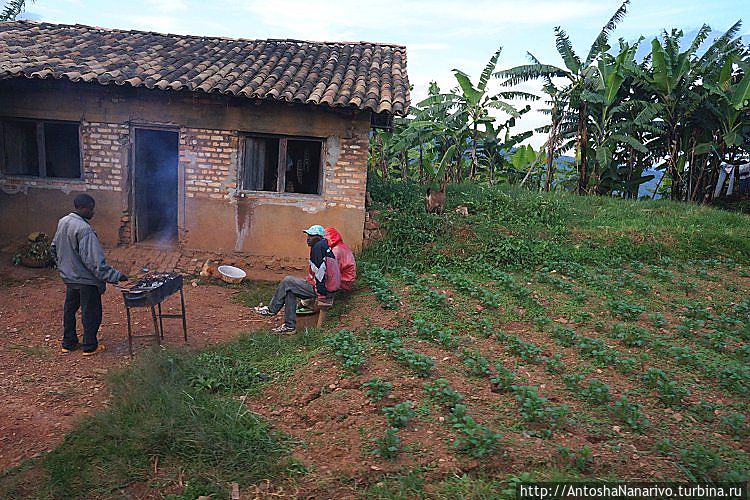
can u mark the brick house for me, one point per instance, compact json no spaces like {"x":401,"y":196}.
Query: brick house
{"x":224,"y":145}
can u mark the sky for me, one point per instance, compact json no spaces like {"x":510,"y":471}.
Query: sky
{"x":440,"y":35}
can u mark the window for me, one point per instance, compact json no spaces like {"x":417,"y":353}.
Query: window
{"x":40,"y":149}
{"x":281,"y":164}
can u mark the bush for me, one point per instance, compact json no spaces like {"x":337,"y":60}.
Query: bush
{"x":377,"y":389}
{"x":388,"y":446}
{"x":441,"y":391}
{"x":475,"y":439}
{"x":399,"y":415}
{"x":346,"y":347}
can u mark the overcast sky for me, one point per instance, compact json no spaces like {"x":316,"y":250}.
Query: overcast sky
{"x":439,"y":34}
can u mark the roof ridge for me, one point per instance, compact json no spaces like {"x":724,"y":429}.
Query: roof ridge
{"x":358,"y":75}
{"x":200,"y":37}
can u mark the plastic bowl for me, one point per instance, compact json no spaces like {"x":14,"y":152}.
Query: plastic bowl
{"x":232,"y":274}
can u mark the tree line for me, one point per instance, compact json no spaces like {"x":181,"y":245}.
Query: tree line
{"x":683,"y":109}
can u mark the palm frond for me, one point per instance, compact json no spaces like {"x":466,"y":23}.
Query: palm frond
{"x":517,"y":94}
{"x":487,"y":73}
{"x":565,"y":49}
{"x":727,"y":43}
{"x":528,"y":72}
{"x":13,"y":9}
{"x":601,"y":40}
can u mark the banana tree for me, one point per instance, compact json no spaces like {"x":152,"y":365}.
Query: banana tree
{"x":471,"y":105}
{"x":12,"y":9}
{"x":580,"y":75}
{"x":677,"y":81}
{"x":732,"y":91}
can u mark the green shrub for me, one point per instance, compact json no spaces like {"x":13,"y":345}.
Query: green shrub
{"x":630,"y":414}
{"x":441,"y":391}
{"x":476,"y":364}
{"x":736,"y":425}
{"x":377,"y":389}
{"x":346,"y":347}
{"x":597,"y":392}
{"x":505,"y":379}
{"x":700,"y":463}
{"x":399,"y":415}
{"x":475,"y":439}
{"x":388,"y":446}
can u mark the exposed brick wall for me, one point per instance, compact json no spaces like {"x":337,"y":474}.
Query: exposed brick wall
{"x":105,"y":154}
{"x":209,"y":160}
{"x":347,"y":182}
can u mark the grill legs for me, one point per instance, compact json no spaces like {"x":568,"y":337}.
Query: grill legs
{"x":158,"y":324}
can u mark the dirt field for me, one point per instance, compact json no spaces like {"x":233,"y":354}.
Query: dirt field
{"x":43,"y":390}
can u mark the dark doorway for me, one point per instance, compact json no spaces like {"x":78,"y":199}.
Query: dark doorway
{"x":155,"y":186}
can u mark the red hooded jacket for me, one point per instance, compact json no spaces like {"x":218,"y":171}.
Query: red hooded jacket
{"x":344,"y":257}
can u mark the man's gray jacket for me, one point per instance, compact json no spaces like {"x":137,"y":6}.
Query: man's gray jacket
{"x":79,"y":255}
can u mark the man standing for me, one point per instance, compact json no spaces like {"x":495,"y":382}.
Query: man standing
{"x":292,"y":288}
{"x":80,"y":260}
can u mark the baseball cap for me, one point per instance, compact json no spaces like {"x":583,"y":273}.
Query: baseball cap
{"x":316,"y":230}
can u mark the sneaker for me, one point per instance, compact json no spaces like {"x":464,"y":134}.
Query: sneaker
{"x":66,"y":350}
{"x":99,"y":348}
{"x":263,"y":311}
{"x":284,"y":330}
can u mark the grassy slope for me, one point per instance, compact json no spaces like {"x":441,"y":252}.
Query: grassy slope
{"x":621,"y":273}
{"x":611,"y":289}
{"x":511,"y":227}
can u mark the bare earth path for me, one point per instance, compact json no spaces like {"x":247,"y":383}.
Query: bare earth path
{"x":43,"y":391}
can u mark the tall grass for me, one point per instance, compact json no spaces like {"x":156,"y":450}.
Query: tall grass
{"x":177,"y":414}
{"x":511,"y":226}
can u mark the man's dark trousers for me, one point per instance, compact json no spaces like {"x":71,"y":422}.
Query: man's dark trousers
{"x":89,"y":299}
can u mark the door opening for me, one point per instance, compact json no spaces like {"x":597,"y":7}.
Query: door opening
{"x":155,"y":186}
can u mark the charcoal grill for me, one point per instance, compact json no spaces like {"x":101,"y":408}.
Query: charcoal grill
{"x":150,"y":291}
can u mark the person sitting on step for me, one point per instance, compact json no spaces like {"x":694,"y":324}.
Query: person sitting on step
{"x":320,"y":283}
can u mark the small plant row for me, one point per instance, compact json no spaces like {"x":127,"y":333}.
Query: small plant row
{"x":670,"y":393}
{"x":506,"y":282}
{"x":730,"y":375}
{"x":599,"y":393}
{"x":420,"y":285}
{"x":559,"y":284}
{"x":398,"y":416}
{"x":474,"y":439}
{"x":419,"y":363}
{"x":348,"y":349}
{"x":716,"y":338}
{"x":533,"y":408}
{"x":380,"y":285}
{"x":595,"y":349}
{"x":426,"y":330}
{"x":485,"y":297}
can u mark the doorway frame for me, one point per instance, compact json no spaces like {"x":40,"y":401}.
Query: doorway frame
{"x":133,"y":209}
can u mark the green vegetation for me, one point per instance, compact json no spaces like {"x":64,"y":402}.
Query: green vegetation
{"x":683,"y":107}
{"x":592,"y":335}
{"x":173,"y":408}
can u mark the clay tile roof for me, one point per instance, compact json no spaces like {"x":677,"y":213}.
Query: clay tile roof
{"x":362,"y":75}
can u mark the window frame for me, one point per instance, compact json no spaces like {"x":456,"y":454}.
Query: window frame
{"x":280,"y":164}
{"x":41,"y":149}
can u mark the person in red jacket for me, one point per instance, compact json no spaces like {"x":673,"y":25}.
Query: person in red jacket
{"x":344,"y":257}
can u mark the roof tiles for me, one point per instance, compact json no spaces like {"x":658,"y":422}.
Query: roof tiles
{"x":362,"y":75}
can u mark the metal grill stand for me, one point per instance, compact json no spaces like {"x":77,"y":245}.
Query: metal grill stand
{"x":150,"y":292}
